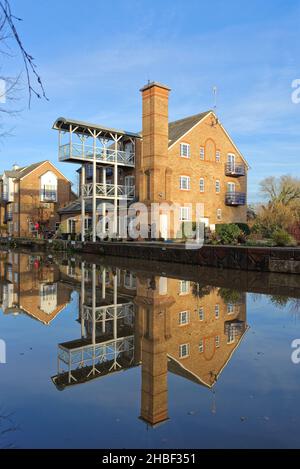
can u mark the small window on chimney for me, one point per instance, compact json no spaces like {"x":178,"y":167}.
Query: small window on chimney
{"x":185,"y":150}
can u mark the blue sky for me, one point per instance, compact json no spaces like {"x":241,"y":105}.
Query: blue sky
{"x":94,"y":56}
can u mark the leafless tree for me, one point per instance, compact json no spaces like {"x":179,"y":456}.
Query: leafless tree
{"x":10,"y":41}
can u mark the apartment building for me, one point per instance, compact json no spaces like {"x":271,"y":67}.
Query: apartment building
{"x":192,"y":163}
{"x":30,"y":197}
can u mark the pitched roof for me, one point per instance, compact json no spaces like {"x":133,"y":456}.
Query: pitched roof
{"x":23,"y":171}
{"x":75,"y":206}
{"x":27,"y":169}
{"x":178,"y":128}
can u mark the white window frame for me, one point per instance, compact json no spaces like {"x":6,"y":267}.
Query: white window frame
{"x":231,"y":337}
{"x":230,"y":308}
{"x":202,"y":153}
{"x":129,"y":181}
{"x":218,"y":186}
{"x":185,"y":214}
{"x":87,"y":220}
{"x":218,"y":156}
{"x":186,"y":290}
{"x":217,"y":311}
{"x":71,"y":220}
{"x":184,"y":318}
{"x":231,"y":187}
{"x":185,"y":150}
{"x":217,"y":341}
{"x":231,"y":160}
{"x":201,"y":313}
{"x":202,"y":185}
{"x":185,"y":180}
{"x":184,"y":347}
{"x":201,"y":346}
{"x":129,"y":280}
{"x":219,"y":214}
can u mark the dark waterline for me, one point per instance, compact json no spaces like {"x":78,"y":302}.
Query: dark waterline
{"x":97,"y":358}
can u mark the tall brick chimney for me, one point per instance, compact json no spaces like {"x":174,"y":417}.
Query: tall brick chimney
{"x":154,"y":171}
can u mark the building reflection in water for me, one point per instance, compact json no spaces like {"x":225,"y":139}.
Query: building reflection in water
{"x":162,"y":324}
{"x":30,"y":285}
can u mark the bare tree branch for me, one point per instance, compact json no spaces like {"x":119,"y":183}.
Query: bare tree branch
{"x":8,"y":20}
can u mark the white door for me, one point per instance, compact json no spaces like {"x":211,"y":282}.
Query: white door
{"x":163,"y":222}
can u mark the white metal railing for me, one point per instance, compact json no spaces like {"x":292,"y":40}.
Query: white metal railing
{"x":104,"y":155}
{"x":108,"y":191}
{"x":100,"y":352}
{"x":107,"y":313}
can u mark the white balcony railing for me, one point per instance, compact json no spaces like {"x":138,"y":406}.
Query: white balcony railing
{"x":107,"y":313}
{"x":107,"y":191}
{"x":103,"y":155}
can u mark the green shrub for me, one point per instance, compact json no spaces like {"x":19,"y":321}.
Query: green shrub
{"x":229,"y":233}
{"x":282,"y":238}
{"x":244,"y":228}
{"x":265,"y":231}
{"x":189,"y":230}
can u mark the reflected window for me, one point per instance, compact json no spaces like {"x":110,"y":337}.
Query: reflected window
{"x":184,"y":317}
{"x":71,"y":270}
{"x":184,"y":287}
{"x":48,"y":297}
{"x":231,"y":336}
{"x":129,"y":280}
{"x":184,"y":350}
{"x":163,"y":285}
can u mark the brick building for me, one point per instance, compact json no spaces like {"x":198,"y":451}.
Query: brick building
{"x":30,"y":197}
{"x":190,"y":162}
{"x":30,"y":286}
{"x":164,"y":325}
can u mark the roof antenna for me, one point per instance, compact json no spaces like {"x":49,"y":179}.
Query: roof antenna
{"x":215,"y":94}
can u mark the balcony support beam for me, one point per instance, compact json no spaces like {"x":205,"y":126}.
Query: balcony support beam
{"x":82,"y":203}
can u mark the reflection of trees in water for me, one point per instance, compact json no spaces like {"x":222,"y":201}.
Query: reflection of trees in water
{"x":7,"y":427}
{"x":279,"y":301}
{"x":228,"y":295}
{"x":292,"y":304}
{"x":199,"y":291}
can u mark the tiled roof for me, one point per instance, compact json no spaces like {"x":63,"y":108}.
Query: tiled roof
{"x":21,"y":172}
{"x":75,"y":207}
{"x":178,"y":128}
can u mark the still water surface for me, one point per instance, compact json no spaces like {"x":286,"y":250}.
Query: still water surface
{"x":103,"y":357}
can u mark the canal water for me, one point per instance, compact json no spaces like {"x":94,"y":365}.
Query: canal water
{"x":101,"y":356}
